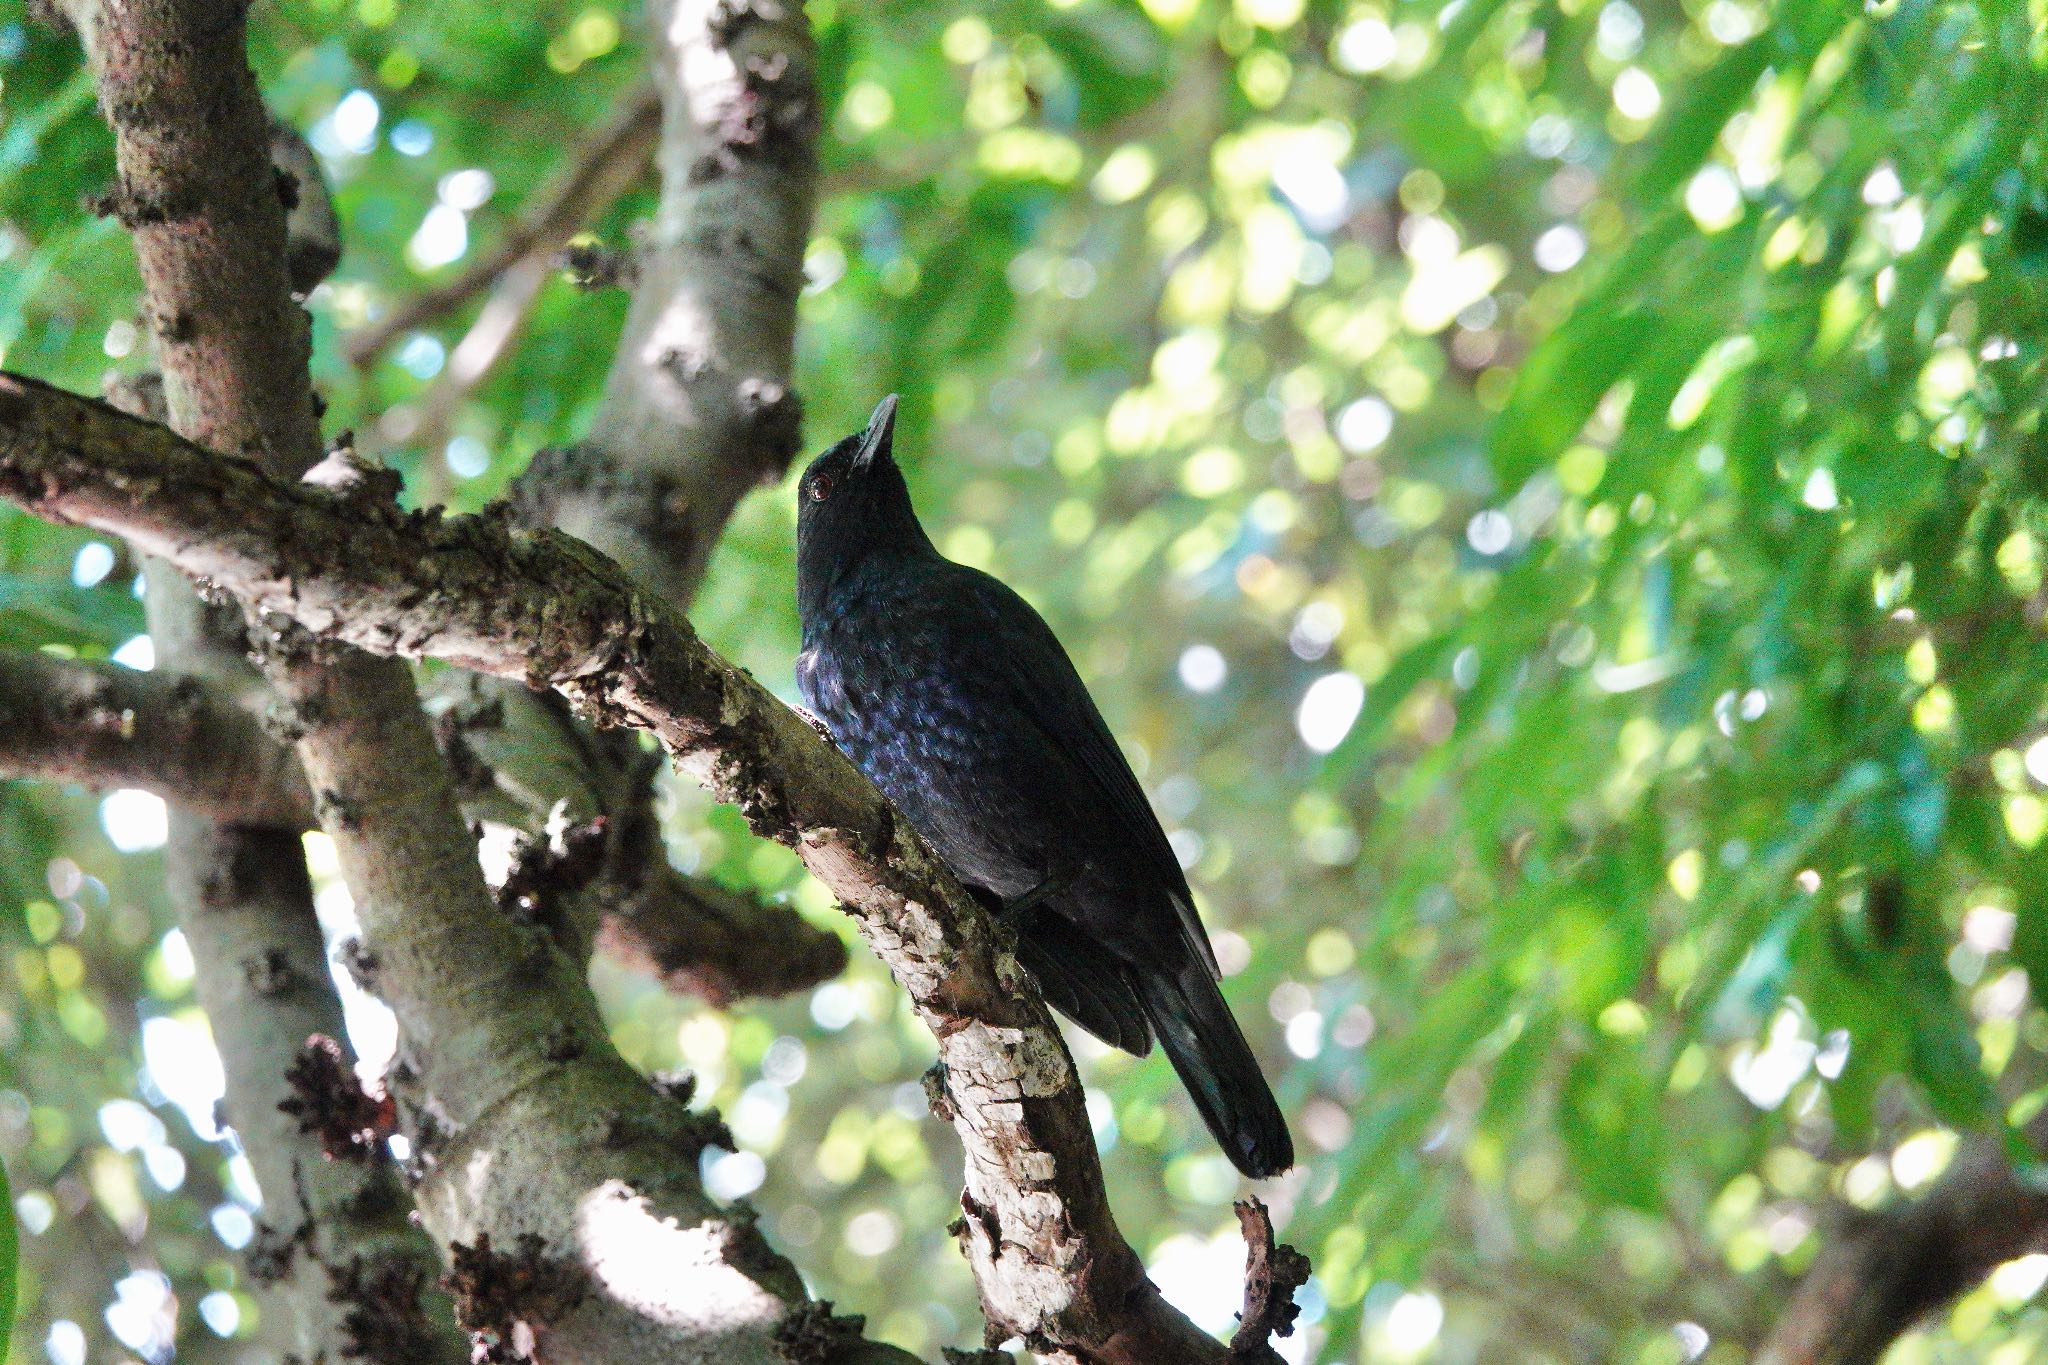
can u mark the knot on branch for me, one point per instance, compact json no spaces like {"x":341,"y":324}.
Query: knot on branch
{"x":696,"y":1131}
{"x":547,"y":871}
{"x":134,"y":208}
{"x":680,"y":1086}
{"x":383,"y":1318}
{"x":270,"y":974}
{"x":360,"y":963}
{"x":1271,"y":1275}
{"x":271,"y":1251}
{"x":236,"y":870}
{"x":647,"y":502}
{"x":730,"y":18}
{"x":935,"y":1096}
{"x":172,"y":326}
{"x":312,"y":230}
{"x":773,"y":116}
{"x":593,"y":265}
{"x":139,"y":395}
{"x":331,"y":1104}
{"x":351,"y":477}
{"x":776,"y":415}
{"x":503,"y":1298}
{"x":812,"y":1334}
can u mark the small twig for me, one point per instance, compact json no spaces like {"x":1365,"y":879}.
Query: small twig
{"x":1271,"y":1275}
{"x":593,"y":175}
{"x":593,"y":265}
{"x":424,"y":423}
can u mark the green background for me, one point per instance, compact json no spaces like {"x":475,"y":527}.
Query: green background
{"x":1550,"y":495}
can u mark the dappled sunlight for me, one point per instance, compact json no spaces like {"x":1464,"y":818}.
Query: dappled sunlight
{"x":1546,"y":498}
{"x":658,"y":1267}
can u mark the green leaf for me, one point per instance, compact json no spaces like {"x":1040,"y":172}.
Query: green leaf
{"x":1710,"y":100}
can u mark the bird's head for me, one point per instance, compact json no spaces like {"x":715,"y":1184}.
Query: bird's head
{"x":853,"y":500}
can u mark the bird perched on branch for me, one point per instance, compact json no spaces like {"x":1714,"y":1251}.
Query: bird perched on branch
{"x":954,"y":696}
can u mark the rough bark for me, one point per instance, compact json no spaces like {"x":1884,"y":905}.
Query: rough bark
{"x":336,"y":1255}
{"x":733,"y":101}
{"x":1881,"y":1273}
{"x":505,"y":1065}
{"x":699,"y":408}
{"x":1045,"y":1250}
{"x":524,"y":1119}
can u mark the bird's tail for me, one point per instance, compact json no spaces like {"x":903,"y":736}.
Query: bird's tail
{"x":1214,"y":1062}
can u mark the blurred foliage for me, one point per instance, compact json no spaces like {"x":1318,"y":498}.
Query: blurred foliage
{"x":1550,"y":494}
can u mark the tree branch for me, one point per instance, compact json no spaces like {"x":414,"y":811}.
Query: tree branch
{"x":541,"y":607}
{"x":187,"y":739}
{"x":737,"y":171}
{"x":1880,"y":1273}
{"x":352,"y":1276}
{"x":698,"y":407}
{"x":592,"y":175}
{"x":102,"y":725}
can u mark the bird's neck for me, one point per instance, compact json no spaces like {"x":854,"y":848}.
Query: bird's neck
{"x":830,"y":566}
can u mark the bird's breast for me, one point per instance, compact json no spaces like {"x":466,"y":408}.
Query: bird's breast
{"x":920,"y":733}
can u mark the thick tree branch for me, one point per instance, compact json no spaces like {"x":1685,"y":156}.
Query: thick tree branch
{"x":737,"y":171}
{"x":505,"y":1071}
{"x":541,"y":607}
{"x":189,"y":740}
{"x":1880,"y":1273}
{"x":102,"y":725}
{"x":698,"y":407}
{"x":592,"y":175}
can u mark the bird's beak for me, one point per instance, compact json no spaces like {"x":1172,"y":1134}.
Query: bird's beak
{"x":881,"y":428}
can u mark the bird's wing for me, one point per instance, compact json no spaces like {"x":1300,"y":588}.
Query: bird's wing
{"x":1046,"y":689}
{"x":817,"y":681}
{"x":1088,"y":986}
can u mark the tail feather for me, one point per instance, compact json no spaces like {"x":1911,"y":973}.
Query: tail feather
{"x":1214,"y":1062}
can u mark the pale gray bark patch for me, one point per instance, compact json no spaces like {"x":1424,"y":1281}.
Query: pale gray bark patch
{"x":700,"y":393}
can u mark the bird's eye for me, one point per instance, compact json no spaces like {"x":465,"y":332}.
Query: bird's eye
{"x":821,"y":488}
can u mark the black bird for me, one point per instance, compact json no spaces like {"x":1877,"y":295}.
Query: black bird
{"x":954,"y":696}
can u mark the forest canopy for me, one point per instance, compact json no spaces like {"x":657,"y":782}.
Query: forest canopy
{"x":1548,"y":495}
